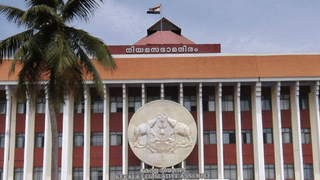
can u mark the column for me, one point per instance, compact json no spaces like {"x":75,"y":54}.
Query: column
{"x":237,"y":115}
{"x":29,"y":139}
{"x":257,"y":132}
{"x":143,"y":102}
{"x":124,"y":130}
{"x":8,"y":162}
{"x":183,"y":164}
{"x":12,"y":139}
{"x":106,"y":132}
{"x":315,"y":128}
{"x":200,"y":130}
{"x":67,"y":138}
{"x":219,"y":130}
{"x":296,"y":131}
{"x":277,"y":130}
{"x":47,"y":150}
{"x":162,"y":91}
{"x":86,"y":133}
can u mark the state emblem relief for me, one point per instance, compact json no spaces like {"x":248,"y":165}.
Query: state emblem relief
{"x":162,"y":133}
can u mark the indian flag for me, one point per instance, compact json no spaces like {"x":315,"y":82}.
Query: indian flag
{"x":154,"y":10}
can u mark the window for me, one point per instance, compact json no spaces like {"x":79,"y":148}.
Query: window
{"x":116,"y":104}
{"x":2,"y":140}
{"x":305,"y":136}
{"x":115,"y":138}
{"x":134,"y":103}
{"x":78,"y":139}
{"x":97,"y":139}
{"x":152,"y":98}
{"x":227,"y":102}
{"x":3,"y":104}
{"x":270,"y":171}
{"x":77,"y":174}
{"x":59,"y":173}
{"x":246,"y":136}
{"x":212,"y":170}
{"x":190,"y":103}
{"x":39,"y":140}
{"x":308,"y":171}
{"x":245,"y":103}
{"x":21,"y":107}
{"x":114,"y":170}
{"x":209,"y":103}
{"x":173,"y":98}
{"x":79,"y":108}
{"x":18,"y":173}
{"x":41,"y":105}
{"x":209,"y":137}
{"x":265,"y":102}
{"x":96,"y":173}
{"x":267,"y":136}
{"x":37,"y":173}
{"x":284,"y":101}
{"x":303,"y":101}
{"x":192,"y":169}
{"x":134,"y":170}
{"x":96,"y":105}
{"x":248,"y":171}
{"x":229,"y":137}
{"x":1,"y":174}
{"x":59,"y":139}
{"x":286,"y":135}
{"x":20,"y":140}
{"x":230,"y":172}
{"x":288,"y":171}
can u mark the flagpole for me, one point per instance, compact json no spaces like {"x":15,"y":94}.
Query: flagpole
{"x":161,"y":22}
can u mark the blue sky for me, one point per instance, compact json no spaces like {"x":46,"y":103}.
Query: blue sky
{"x":240,"y":26}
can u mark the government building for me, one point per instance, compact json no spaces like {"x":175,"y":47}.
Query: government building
{"x":256,"y":115}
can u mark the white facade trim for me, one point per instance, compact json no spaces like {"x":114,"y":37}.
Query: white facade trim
{"x":86,"y":134}
{"x":296,"y":131}
{"x":200,"y":130}
{"x":315,"y":128}
{"x":7,"y":133}
{"x":237,"y":114}
{"x":219,"y":130}
{"x":124,"y":130}
{"x":47,"y":150}
{"x":277,"y":131}
{"x":106,"y":132}
{"x":67,"y":138}
{"x":257,"y":129}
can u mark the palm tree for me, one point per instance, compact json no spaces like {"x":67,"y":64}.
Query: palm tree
{"x":51,"y":50}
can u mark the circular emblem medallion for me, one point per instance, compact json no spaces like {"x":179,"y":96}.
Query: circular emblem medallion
{"x":162,"y":133}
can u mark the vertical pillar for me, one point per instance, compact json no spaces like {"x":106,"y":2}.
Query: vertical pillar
{"x":143,"y":102}
{"x":29,"y":139}
{"x":257,"y":132}
{"x":315,"y":128}
{"x":219,"y":130}
{"x":277,"y":131}
{"x":106,"y":132}
{"x":237,"y":115}
{"x":296,"y":131}
{"x":183,"y":164}
{"x":12,"y":138}
{"x":124,"y":130}
{"x":67,"y":138}
{"x":162,"y":91}
{"x":47,"y":150}
{"x":200,"y":130}
{"x":86,"y":134}
{"x":7,"y":133}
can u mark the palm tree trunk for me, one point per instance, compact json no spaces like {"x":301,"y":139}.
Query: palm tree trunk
{"x":54,"y":130}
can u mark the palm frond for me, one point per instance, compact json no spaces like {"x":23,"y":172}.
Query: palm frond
{"x":92,"y":46}
{"x":80,"y":9}
{"x":40,"y":16}
{"x":50,"y":3}
{"x":9,"y":46}
{"x":13,"y":14}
